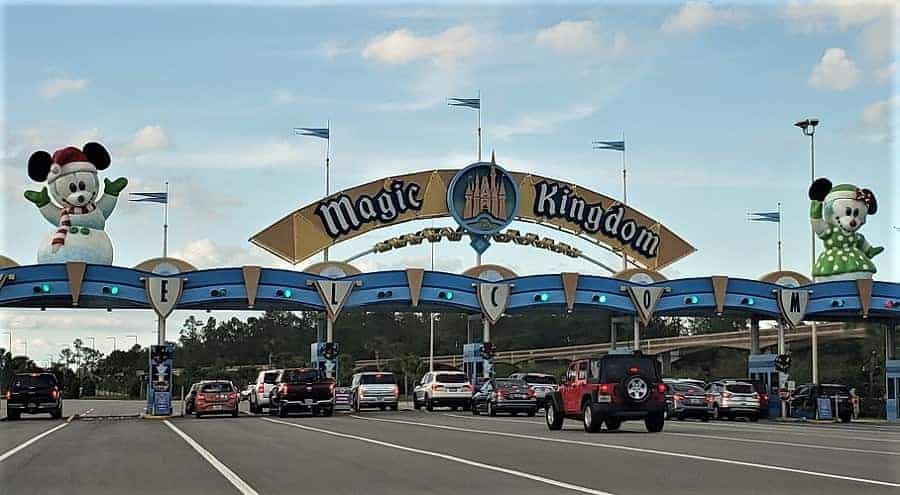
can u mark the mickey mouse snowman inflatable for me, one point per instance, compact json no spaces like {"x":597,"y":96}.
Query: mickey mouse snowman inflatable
{"x":70,"y":203}
{"x":837,"y":213}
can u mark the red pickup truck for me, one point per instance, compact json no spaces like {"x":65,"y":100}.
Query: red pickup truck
{"x":610,"y":390}
{"x":302,"y":389}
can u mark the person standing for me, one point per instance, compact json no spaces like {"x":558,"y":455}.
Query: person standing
{"x":854,"y":402}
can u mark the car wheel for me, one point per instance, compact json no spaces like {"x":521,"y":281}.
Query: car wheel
{"x":591,"y":419}
{"x":253,"y":408}
{"x":613,"y":424}
{"x":13,"y":416}
{"x":429,"y":405}
{"x":654,"y":422}
{"x":466,"y":407}
{"x":236,"y":413}
{"x":532,"y":412}
{"x":475,"y":411}
{"x":490,"y":409}
{"x":56,"y":414}
{"x":514,"y":413}
{"x":282,"y":411}
{"x":553,"y":417}
{"x":314,"y":411}
{"x":704,"y":418}
{"x":717,"y":414}
{"x":753,"y":418}
{"x":197,"y":414}
{"x":327,"y":412}
{"x":416,"y":404}
{"x":382,"y":408}
{"x":679,"y":417}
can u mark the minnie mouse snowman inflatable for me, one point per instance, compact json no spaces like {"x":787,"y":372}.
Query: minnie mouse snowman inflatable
{"x":70,"y":203}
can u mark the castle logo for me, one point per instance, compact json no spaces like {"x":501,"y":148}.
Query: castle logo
{"x":483,"y":198}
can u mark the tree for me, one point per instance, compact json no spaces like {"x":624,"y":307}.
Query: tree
{"x":409,"y":366}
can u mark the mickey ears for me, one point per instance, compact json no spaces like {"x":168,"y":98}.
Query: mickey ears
{"x":819,"y":189}
{"x":39,"y":166}
{"x":871,"y":202}
{"x":97,"y":154}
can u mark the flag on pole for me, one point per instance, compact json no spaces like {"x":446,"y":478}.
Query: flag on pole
{"x":465,"y":102}
{"x":764,"y":216}
{"x":609,"y":145}
{"x":149,"y":197}
{"x":312,"y":131}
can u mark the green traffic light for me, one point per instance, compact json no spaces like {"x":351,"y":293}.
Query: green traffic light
{"x":288,"y":293}
{"x":447,"y":295}
{"x":45,"y":287}
{"x":114,"y":290}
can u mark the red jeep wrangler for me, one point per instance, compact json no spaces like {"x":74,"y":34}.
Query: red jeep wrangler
{"x":609,"y":390}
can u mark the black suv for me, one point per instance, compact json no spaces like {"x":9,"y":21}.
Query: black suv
{"x":805,"y":400}
{"x":610,"y":390}
{"x":34,"y":393}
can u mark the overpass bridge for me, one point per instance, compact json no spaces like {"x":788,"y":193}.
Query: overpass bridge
{"x":737,"y":340}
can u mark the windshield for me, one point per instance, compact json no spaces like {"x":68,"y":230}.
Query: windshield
{"x":451,"y":378}
{"x":34,"y":381}
{"x":378,"y":379}
{"x":687,"y":388}
{"x":740,"y":388}
{"x":270,"y":377}
{"x":300,"y":376}
{"x":511,"y":384}
{"x":540,"y":379}
{"x":217,"y":387}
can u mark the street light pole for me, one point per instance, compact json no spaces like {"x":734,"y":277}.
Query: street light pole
{"x":115,"y":341}
{"x":10,"y":341}
{"x":135,"y":339}
{"x":808,"y":126}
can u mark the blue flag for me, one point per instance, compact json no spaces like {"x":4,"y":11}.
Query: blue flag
{"x":609,"y":145}
{"x":764,"y":216}
{"x":312,"y":131}
{"x":465,"y":102}
{"x":149,"y":197}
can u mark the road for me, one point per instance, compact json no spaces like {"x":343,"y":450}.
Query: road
{"x":109,"y":451}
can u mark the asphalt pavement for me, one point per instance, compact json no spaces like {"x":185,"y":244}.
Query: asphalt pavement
{"x":102,"y":447}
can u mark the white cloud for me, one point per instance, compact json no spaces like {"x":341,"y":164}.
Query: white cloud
{"x":875,"y":19}
{"x":540,"y":124}
{"x":53,"y":88}
{"x":835,"y":71}
{"x":876,"y":119}
{"x":580,"y":37}
{"x":878,"y":38}
{"x":148,"y":138}
{"x":206,"y":253}
{"x":256,"y":155}
{"x":283,"y":97}
{"x":696,"y":16}
{"x":332,"y":49}
{"x":885,"y":74}
{"x":401,"y":46}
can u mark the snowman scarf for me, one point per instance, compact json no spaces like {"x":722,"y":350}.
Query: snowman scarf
{"x":65,"y":221}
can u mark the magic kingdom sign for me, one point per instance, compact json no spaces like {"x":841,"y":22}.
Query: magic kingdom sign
{"x":483,"y":198}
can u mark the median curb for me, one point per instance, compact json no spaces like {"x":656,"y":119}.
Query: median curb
{"x":150,"y":416}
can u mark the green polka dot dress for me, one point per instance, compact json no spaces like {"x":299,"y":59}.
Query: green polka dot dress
{"x":842,"y":254}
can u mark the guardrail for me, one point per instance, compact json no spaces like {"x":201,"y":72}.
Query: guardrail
{"x":736,"y":339}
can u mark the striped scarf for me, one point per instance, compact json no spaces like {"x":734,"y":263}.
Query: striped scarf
{"x":65,"y":221}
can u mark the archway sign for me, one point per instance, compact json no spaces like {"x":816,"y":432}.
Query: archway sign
{"x":482,"y":202}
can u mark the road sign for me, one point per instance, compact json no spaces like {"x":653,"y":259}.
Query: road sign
{"x":644,"y":300}
{"x":163,"y":293}
{"x":792,"y":303}
{"x":334,"y":294}
{"x":493,"y":299}
{"x":824,"y":408}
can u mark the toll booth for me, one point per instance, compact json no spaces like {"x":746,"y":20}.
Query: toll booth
{"x":159,"y":385}
{"x":473,"y":363}
{"x":317,"y":360}
{"x":761,"y":367}
{"x":892,"y":370}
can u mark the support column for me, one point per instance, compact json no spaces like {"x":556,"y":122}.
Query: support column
{"x":487,"y":364}
{"x":161,"y":330}
{"x":782,"y":377}
{"x":637,"y":334}
{"x":754,"y":335}
{"x":666,"y":358}
{"x":890,"y":340}
{"x":613,"y":333}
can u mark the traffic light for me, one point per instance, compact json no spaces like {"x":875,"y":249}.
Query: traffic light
{"x":39,"y":289}
{"x":783,"y":362}
{"x":691,"y":300}
{"x":445,"y":294}
{"x":837,"y":303}
{"x":748,"y":301}
{"x":599,"y":298}
{"x":110,"y":290}
{"x":218,"y":292}
{"x":488,"y":350}
{"x":542,"y":297}
{"x":330,"y":350}
{"x":285,"y":293}
{"x":385,"y":293}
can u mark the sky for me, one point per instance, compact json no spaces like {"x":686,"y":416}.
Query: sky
{"x":205,"y":97}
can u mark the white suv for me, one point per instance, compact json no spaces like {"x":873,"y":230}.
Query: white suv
{"x":259,"y":395}
{"x":443,"y":388}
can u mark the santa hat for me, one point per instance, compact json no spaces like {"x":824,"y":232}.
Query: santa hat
{"x":68,"y":161}
{"x":850,"y":191}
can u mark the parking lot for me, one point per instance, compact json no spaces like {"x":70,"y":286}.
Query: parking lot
{"x":107,"y":449}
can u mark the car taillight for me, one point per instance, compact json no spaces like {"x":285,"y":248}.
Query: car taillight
{"x":661,"y":388}
{"x":284,"y":388}
{"x":232,"y":395}
{"x":678,"y":397}
{"x":201,"y":397}
{"x":500,"y":394}
{"x":709,"y":399}
{"x":361,"y":391}
{"x":396,"y":390}
{"x":726,"y":395}
{"x":8,"y":394}
{"x":764,"y":397}
{"x":54,"y":394}
{"x":261,"y":388}
{"x":469,"y":387}
{"x":436,"y":386}
{"x":633,"y":370}
{"x":605,"y":388}
{"x":331,"y":387}
{"x":531,"y":393}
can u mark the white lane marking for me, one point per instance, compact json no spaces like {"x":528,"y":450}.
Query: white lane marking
{"x":9,"y":453}
{"x":788,"y":431}
{"x":714,"y":437}
{"x":788,"y":444}
{"x":233,"y":478}
{"x":447,"y":457}
{"x":641,"y":451}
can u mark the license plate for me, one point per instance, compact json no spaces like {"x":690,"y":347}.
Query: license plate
{"x":217,"y":407}
{"x":308,"y":401}
{"x":452,"y":390}
{"x":604,"y":398}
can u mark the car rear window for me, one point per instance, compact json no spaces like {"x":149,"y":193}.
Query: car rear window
{"x":540,"y":379}
{"x":34,"y":381}
{"x":687,"y":388}
{"x":217,"y":387}
{"x":617,"y":368}
{"x":740,"y":388}
{"x":300,"y":376}
{"x":833,"y":390}
{"x":451,"y":378}
{"x":511,"y":384}
{"x":270,"y":377}
{"x":378,"y":379}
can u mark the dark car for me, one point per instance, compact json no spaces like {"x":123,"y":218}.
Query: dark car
{"x":302,"y":389}
{"x":804,"y":401}
{"x":610,"y":390}
{"x":216,"y":397}
{"x":34,"y":393}
{"x":504,"y":395}
{"x":685,"y":400}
